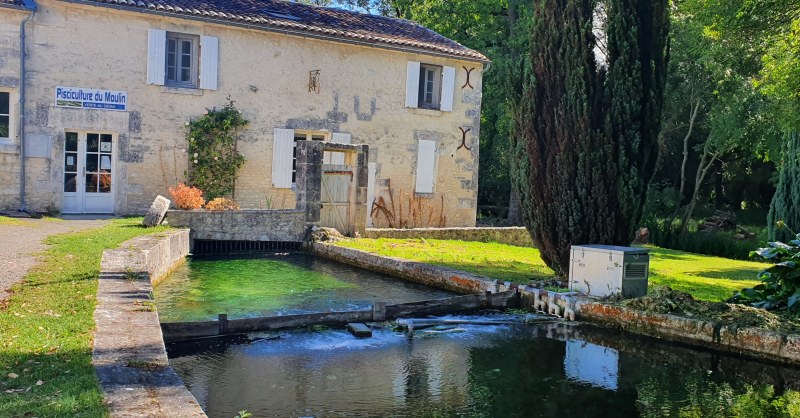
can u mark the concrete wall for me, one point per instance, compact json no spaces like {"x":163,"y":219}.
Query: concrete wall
{"x":510,"y":236}
{"x":129,"y":356}
{"x":362,"y":93}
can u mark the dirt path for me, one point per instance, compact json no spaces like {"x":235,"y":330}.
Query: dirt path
{"x":22,"y":242}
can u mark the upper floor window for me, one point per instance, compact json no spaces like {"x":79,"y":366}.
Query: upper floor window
{"x":5,"y":116}
{"x":182,"y":60}
{"x":430,"y":86}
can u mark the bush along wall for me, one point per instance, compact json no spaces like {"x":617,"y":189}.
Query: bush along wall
{"x":213,"y":158}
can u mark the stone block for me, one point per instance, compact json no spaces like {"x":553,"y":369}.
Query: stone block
{"x":155,"y":215}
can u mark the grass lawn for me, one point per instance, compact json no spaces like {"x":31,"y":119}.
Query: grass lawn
{"x":47,"y":328}
{"x":705,"y":277}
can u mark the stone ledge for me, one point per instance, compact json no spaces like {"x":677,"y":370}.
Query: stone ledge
{"x":754,"y":342}
{"x":242,"y":225}
{"x":435,"y":276}
{"x":517,"y":236}
{"x":129,"y":356}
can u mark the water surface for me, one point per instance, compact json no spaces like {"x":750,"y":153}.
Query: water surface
{"x":277,"y":284}
{"x":548,"y":370}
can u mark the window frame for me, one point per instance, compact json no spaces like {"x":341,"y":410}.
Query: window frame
{"x":194,"y":61}
{"x":321,"y":136}
{"x":7,"y":140}
{"x":435,"y":83}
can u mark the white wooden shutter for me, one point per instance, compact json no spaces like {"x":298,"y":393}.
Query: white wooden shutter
{"x":156,"y":56}
{"x":282,"y":155}
{"x":426,"y":161}
{"x":338,"y":157}
{"x":209,"y":59}
{"x":372,"y":172}
{"x":412,"y":84}
{"x":448,"y":88}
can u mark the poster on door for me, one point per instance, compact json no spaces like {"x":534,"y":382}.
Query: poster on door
{"x":85,"y":98}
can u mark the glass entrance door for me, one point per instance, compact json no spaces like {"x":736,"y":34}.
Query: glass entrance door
{"x":88,"y":173}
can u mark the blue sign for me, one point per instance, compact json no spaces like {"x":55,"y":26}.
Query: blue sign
{"x":84,"y":98}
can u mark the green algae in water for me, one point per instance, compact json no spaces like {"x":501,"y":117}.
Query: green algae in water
{"x":239,"y":288}
{"x":275,"y":285}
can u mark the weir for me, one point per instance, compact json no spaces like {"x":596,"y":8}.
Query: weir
{"x":181,"y":331}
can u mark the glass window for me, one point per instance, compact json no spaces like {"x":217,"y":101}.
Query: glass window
{"x":5,"y":115}
{"x":182,"y":60}
{"x":430,"y":86}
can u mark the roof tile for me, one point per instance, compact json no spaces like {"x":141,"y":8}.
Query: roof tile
{"x":297,"y":17}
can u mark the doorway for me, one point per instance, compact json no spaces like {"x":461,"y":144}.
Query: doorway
{"x":89,"y":172}
{"x":335,"y":197}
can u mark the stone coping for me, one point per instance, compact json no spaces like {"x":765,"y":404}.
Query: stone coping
{"x":435,"y":276}
{"x":129,"y":355}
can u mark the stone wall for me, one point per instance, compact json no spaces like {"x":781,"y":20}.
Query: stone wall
{"x":754,"y":342}
{"x":362,"y":93}
{"x":511,"y":236}
{"x":435,"y":276}
{"x":129,"y":356}
{"x":246,"y":225}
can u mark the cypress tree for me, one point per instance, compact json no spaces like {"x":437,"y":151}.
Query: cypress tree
{"x":587,"y":120}
{"x":785,"y":204}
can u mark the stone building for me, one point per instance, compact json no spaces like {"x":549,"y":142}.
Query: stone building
{"x":93,"y":119}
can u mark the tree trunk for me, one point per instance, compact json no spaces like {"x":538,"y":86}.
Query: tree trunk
{"x":692,"y":118}
{"x":700,"y":177}
{"x":514,"y":216}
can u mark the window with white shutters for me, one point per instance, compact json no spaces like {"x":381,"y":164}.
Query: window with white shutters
{"x":430,"y":86}
{"x":182,"y":60}
{"x":426,"y":165}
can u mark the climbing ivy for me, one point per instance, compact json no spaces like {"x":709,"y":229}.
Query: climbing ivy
{"x":213,"y":158}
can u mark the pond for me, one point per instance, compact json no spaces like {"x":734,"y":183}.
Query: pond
{"x":546,"y":369}
{"x":276,"y":284}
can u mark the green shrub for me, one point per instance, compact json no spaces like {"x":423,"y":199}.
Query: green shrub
{"x":720,"y":244}
{"x":780,"y":284}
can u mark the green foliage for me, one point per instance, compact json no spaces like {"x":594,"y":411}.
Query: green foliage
{"x":780,"y":284}
{"x":213,"y":158}
{"x":587,"y":123}
{"x":720,"y":244}
{"x":785,"y":205}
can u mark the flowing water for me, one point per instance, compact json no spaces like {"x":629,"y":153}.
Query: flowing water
{"x":277,"y":284}
{"x":545,"y":369}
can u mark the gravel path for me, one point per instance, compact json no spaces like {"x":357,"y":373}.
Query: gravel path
{"x":22,"y":243}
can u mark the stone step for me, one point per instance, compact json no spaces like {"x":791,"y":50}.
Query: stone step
{"x":359,"y":330}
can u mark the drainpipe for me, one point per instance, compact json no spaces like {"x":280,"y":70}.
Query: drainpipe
{"x":30,"y":5}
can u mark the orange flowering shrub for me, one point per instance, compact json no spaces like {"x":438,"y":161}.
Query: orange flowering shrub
{"x":221,"y":203}
{"x":187,"y":198}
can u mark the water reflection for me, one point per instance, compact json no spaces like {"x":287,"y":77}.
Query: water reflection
{"x":543,"y":370}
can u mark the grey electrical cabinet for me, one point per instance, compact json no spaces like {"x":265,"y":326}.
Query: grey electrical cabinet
{"x":605,"y":270}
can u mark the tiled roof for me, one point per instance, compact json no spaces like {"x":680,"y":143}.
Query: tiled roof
{"x":308,"y":20}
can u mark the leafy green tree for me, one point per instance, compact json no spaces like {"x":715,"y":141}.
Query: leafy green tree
{"x":588,"y":121}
